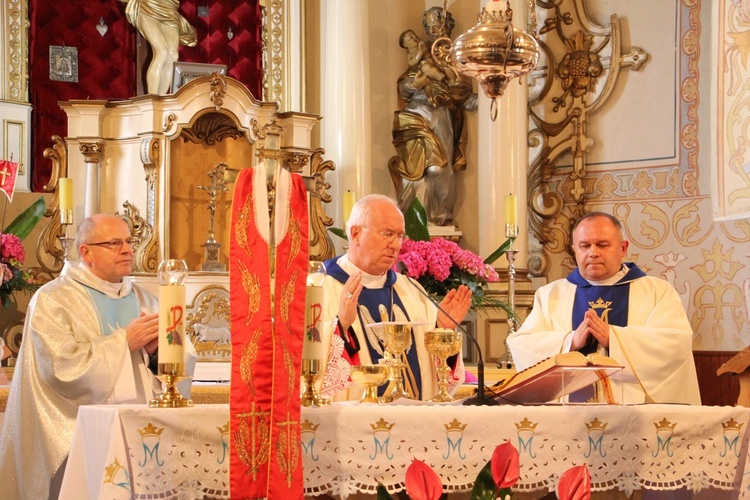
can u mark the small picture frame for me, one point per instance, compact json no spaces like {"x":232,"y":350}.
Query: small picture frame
{"x":63,"y":63}
{"x":184,"y":72}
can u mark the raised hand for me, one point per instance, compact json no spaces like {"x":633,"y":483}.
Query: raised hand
{"x":456,"y":303}
{"x":348,"y":300}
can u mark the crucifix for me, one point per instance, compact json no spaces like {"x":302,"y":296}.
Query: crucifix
{"x":218,"y":185}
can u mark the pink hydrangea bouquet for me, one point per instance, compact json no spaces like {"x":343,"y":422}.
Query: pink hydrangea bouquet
{"x":12,"y":277}
{"x":12,"y":254}
{"x":440,"y":265}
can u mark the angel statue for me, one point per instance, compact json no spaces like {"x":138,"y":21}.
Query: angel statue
{"x":428,"y":129}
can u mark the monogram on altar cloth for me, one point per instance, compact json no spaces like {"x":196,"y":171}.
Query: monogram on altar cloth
{"x":137,"y":452}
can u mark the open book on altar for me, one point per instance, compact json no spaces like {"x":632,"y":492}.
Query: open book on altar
{"x":558,"y":376}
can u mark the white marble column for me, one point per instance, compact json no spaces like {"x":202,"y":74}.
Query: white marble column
{"x":92,"y":155}
{"x":345,"y":106}
{"x":503,"y":162}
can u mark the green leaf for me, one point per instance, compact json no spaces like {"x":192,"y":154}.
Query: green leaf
{"x":500,"y":251}
{"x":415,"y":220}
{"x":341,"y":233}
{"x":484,"y":485}
{"x":383,"y":493}
{"x":26,"y":220}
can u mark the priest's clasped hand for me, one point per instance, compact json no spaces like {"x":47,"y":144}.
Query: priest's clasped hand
{"x":456,"y":303}
{"x":143,"y":332}
{"x":592,"y":325}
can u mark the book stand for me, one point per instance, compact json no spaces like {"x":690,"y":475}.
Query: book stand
{"x":587,"y":384}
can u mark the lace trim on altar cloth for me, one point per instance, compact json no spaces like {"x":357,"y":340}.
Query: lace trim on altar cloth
{"x":348,"y":449}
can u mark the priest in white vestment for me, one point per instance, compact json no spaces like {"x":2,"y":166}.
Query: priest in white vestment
{"x":362,"y":283}
{"x":87,"y":339}
{"x":609,"y":306}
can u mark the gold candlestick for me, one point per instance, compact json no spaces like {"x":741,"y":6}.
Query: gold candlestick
{"x":310,"y":373}
{"x":170,"y":374}
{"x":511,"y":231}
{"x":66,"y":242}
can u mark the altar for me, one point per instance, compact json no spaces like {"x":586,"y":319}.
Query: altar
{"x":137,"y":452}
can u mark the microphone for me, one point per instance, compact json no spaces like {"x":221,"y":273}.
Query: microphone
{"x":479,"y":399}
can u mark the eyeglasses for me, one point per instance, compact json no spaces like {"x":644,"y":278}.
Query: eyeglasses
{"x":390,"y":236}
{"x":115,"y":245}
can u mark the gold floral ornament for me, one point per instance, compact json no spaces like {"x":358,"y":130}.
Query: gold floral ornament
{"x":251,"y":284}
{"x":243,"y":222}
{"x":249,"y":354}
{"x":579,"y":68}
{"x":287,"y":295}
{"x":296,"y":237}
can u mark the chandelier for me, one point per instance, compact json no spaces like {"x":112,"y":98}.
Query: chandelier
{"x":494,"y":51}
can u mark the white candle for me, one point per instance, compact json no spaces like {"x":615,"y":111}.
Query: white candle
{"x":511,"y":210}
{"x":349,"y":200}
{"x":65,"y":199}
{"x":171,"y":324}
{"x":313,"y":345}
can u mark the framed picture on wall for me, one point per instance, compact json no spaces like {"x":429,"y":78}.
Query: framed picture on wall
{"x":185,"y":72}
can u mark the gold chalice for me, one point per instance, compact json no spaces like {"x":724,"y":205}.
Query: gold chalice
{"x":443,"y":343}
{"x":396,"y":337}
{"x":370,"y":376}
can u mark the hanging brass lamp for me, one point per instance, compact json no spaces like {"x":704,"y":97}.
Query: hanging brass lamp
{"x":494,"y":51}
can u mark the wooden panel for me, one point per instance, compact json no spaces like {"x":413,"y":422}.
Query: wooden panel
{"x":715,"y":391}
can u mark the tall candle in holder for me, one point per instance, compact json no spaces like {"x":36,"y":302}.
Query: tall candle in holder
{"x":312,"y":345}
{"x":172,"y":274}
{"x":314,"y":349}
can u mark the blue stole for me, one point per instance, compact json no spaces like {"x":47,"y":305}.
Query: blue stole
{"x":113,"y":313}
{"x":371,"y":298}
{"x":610,"y":302}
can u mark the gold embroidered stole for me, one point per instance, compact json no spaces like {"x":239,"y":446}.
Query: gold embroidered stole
{"x":267,"y":333}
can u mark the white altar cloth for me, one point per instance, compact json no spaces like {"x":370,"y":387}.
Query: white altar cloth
{"x":137,"y":452}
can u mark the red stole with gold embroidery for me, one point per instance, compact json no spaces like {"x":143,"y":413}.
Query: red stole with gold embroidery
{"x":265,"y":448}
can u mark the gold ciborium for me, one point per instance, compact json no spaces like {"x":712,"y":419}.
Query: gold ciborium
{"x":370,"y":376}
{"x":442,"y":343}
